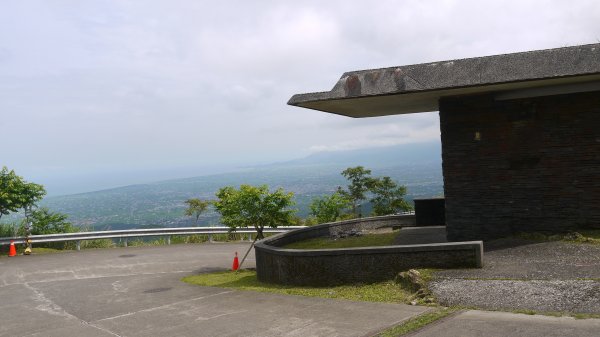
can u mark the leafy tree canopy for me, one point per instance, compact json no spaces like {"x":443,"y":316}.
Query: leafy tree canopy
{"x":329,"y":208}
{"x":254,"y":206}
{"x":48,"y":222}
{"x":196,"y":207}
{"x":16,"y":193}
{"x":388,"y":197}
{"x":360,"y":183}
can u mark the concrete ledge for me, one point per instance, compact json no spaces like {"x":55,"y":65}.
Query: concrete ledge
{"x":418,"y":87}
{"x":319,"y":267}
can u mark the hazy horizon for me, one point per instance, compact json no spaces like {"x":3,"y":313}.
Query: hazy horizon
{"x":73,"y":183}
{"x":98,"y":94}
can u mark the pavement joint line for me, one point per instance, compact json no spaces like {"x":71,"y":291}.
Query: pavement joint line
{"x":220,"y":315}
{"x":103,"y":329}
{"x":164,"y":306}
{"x":48,"y":306}
{"x":6,"y":284}
{"x":85,"y":323}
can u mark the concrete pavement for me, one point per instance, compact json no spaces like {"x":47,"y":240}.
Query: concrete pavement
{"x":137,"y":291}
{"x":476,"y":323}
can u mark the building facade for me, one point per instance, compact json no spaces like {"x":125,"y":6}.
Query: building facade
{"x":520,"y":134}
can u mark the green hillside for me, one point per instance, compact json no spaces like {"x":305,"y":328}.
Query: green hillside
{"x":162,"y":203}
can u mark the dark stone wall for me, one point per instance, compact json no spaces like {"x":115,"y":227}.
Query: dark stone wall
{"x":323,"y":267}
{"x":430,"y":212}
{"x":520,"y":165}
{"x":318,"y":267}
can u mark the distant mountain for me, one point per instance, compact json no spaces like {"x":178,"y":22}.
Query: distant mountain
{"x":398,"y":155}
{"x":418,"y":166}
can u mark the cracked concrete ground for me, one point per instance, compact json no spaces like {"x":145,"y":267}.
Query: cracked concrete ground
{"x":137,"y":291}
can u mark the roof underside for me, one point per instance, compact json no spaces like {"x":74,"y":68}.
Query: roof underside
{"x":418,"y":88}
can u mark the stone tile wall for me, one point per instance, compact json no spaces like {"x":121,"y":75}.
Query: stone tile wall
{"x":318,"y":267}
{"x":520,"y":165}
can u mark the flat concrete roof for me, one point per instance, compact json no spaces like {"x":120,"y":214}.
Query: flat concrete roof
{"x":418,"y":87}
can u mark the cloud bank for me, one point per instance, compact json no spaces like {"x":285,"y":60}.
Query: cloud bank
{"x":93,"y":86}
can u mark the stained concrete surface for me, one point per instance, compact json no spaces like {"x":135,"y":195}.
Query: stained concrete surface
{"x":137,"y":291}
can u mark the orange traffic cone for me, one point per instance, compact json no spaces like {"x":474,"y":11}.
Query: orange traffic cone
{"x":12,"y":251}
{"x":236,"y":263}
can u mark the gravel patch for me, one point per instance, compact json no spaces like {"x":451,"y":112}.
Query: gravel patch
{"x":576,"y":296}
{"x":534,"y":261}
{"x":521,"y":275}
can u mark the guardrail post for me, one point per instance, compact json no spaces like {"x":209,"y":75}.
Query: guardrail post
{"x":125,"y":242}
{"x":78,"y":245}
{"x":210,"y":239}
{"x":168,"y":240}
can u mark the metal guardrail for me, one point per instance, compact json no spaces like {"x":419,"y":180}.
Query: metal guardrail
{"x":134,"y":233}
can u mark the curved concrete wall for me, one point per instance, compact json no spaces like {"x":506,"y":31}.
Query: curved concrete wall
{"x":318,"y":267}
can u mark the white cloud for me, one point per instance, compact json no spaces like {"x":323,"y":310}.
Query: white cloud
{"x":386,"y":131}
{"x":89,"y":84}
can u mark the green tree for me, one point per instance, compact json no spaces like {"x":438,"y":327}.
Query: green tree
{"x":16,"y":193}
{"x":254,"y":206}
{"x":360,"y":183}
{"x":388,"y":197}
{"x":329,"y":208}
{"x":48,"y":222}
{"x":196,"y":207}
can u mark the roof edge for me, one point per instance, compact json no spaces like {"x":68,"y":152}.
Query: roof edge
{"x":485,"y":71}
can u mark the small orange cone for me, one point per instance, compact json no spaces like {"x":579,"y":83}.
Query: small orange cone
{"x":236,"y":263}
{"x":12,"y":251}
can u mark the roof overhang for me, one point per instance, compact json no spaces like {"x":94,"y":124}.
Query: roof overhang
{"x":418,"y":88}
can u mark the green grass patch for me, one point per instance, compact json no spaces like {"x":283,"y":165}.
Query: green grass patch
{"x":584,"y":316}
{"x":545,"y":313}
{"x":584,"y":236}
{"x":532,"y":312}
{"x":593,"y":234}
{"x":387,"y":291}
{"x":98,"y":243}
{"x":548,"y":313}
{"x":34,"y":251}
{"x":43,"y":250}
{"x":417,"y":322}
{"x":368,"y":240}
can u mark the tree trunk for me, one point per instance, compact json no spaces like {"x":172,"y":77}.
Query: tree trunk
{"x":259,"y":233}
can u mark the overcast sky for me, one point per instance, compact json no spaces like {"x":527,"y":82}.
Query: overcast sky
{"x":94,"y":88}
